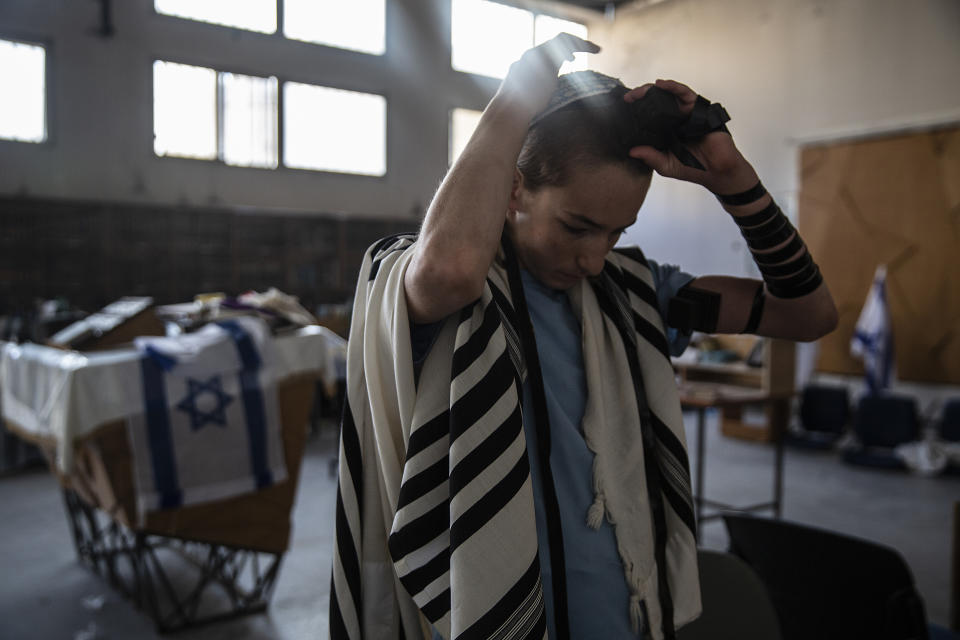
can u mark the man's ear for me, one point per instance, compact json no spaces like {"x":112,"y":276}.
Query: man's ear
{"x":516,"y":191}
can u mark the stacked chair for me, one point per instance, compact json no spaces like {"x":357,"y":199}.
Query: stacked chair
{"x":881,"y":423}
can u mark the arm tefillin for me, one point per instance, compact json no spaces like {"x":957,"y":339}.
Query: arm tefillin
{"x":694,"y":309}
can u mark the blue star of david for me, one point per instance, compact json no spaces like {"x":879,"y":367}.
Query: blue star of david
{"x":209,"y":392}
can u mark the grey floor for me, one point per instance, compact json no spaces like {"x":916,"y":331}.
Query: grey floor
{"x":45,"y":593}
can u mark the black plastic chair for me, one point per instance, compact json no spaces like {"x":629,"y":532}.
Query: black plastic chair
{"x":949,"y":426}
{"x":881,"y":423}
{"x":824,"y":416}
{"x":736,"y":605}
{"x":948,"y":430}
{"x":829,"y":586}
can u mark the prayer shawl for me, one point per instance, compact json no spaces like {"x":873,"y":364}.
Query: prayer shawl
{"x":435,"y":511}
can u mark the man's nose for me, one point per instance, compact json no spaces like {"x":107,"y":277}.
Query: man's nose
{"x":590,"y":261}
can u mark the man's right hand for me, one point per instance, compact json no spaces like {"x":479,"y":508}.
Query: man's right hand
{"x":461,"y":233}
{"x":533,"y":78}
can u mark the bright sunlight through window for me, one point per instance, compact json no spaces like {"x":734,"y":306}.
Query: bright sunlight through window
{"x":334,"y":130}
{"x":199,"y":113}
{"x":545,"y":27}
{"x":463,"y":122}
{"x":23,"y":113}
{"x":184,"y":111}
{"x":249,"y":124}
{"x":252,"y":15}
{"x":474,"y":50}
{"x":358,"y":25}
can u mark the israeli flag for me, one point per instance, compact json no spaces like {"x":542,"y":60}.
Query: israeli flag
{"x":872,"y":339}
{"x":210,"y":425}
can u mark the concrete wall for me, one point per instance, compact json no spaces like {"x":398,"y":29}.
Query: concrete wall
{"x":101,"y":140}
{"x":789,"y":72}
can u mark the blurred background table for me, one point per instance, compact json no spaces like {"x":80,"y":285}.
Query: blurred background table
{"x":183,"y":566}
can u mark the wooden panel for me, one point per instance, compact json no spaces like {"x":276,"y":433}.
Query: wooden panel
{"x":894,"y":201}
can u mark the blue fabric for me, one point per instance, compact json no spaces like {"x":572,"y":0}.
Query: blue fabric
{"x":159,"y":435}
{"x":253,"y":402}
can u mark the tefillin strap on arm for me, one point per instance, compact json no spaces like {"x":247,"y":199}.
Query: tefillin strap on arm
{"x":660,"y":123}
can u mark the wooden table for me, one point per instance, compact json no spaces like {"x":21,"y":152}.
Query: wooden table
{"x":707,"y":395}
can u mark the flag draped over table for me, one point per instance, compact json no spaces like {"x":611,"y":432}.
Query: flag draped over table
{"x":873,"y":336}
{"x":210,"y":425}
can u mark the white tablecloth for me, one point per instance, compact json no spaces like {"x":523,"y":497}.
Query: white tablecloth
{"x":66,"y":394}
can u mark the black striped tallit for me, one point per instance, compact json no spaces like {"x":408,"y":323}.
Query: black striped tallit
{"x":435,"y":517}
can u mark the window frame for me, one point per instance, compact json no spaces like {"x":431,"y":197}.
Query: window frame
{"x":281,"y":124}
{"x":281,"y":17}
{"x":219,"y":113}
{"x":354,"y":89}
{"x":533,"y":8}
{"x":278,"y":33}
{"x":216,"y":25}
{"x":49,"y":88}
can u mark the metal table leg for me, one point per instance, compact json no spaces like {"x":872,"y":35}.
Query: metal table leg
{"x":701,"y":449}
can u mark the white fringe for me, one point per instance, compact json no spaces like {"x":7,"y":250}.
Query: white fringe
{"x":636,"y":612}
{"x":596,"y":512}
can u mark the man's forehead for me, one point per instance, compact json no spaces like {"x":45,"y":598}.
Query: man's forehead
{"x":605,"y":220}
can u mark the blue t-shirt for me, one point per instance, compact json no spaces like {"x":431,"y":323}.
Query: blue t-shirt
{"x":597,"y":591}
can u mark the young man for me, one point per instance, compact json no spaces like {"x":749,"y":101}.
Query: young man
{"x":513,"y":461}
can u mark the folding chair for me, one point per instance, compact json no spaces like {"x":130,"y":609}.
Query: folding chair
{"x":736,"y":605}
{"x":829,"y":586}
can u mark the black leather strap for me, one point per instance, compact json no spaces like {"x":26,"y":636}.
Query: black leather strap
{"x":769,"y":212}
{"x":771,"y":238}
{"x":756,"y":310}
{"x":794,"y":287}
{"x":787,"y":268}
{"x":752,"y":194}
{"x":780,"y":255}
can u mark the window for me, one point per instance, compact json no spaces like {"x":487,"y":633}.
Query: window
{"x":475,"y":50}
{"x":23,"y":110}
{"x":184,"y":111}
{"x":359,"y":25}
{"x":463,"y":122}
{"x":249,"y":122}
{"x":252,"y":15}
{"x":200,"y":113}
{"x":334,"y":130}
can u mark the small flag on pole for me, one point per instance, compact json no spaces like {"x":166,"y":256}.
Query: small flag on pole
{"x":873,"y":336}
